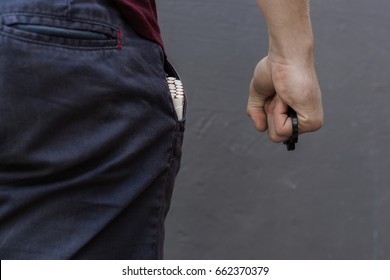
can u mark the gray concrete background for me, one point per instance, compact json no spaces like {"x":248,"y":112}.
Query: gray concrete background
{"x":239,"y":196}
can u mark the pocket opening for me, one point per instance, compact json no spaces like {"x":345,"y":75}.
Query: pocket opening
{"x":61,"y":32}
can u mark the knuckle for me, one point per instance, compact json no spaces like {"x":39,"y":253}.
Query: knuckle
{"x":279,"y":131}
{"x":317,"y":123}
{"x":274,"y":138}
{"x":249,"y":112}
{"x":313,"y":124}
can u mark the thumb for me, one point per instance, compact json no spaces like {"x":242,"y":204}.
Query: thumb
{"x":261,"y":89}
{"x":256,"y":110}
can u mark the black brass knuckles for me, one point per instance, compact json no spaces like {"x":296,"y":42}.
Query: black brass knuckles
{"x":290,"y":143}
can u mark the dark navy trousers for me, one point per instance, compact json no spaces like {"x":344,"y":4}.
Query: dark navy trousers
{"x":89,"y":140}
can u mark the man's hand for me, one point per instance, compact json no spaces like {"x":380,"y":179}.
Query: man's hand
{"x":286,"y":77}
{"x":274,"y":87}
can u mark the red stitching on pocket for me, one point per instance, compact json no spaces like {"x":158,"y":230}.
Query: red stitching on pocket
{"x":118,"y":31}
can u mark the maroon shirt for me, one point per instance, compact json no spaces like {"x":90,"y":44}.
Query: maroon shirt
{"x":142,"y":16}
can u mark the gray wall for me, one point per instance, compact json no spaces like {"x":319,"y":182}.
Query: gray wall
{"x":239,"y":196}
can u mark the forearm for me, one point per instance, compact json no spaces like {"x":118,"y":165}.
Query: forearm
{"x":289,"y":28}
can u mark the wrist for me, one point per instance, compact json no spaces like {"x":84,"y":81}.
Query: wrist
{"x":294,"y":49}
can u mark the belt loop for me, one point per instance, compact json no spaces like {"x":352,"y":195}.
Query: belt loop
{"x":68,"y":3}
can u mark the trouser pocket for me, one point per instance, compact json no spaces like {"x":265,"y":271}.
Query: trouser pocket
{"x":52,"y":30}
{"x":177,"y":92}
